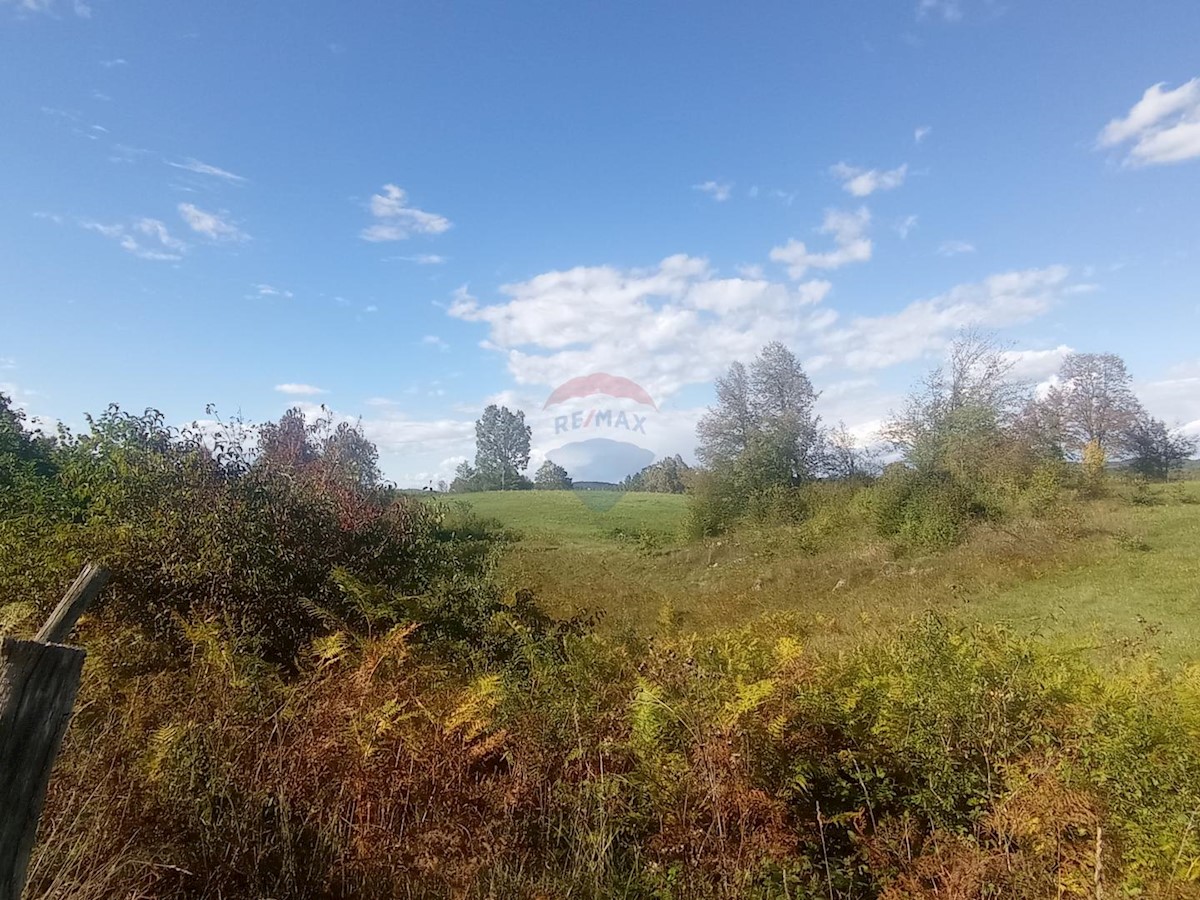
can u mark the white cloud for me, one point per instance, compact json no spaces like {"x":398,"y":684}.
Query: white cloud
{"x":211,"y":225}
{"x":132,"y":238}
{"x":905,"y":226}
{"x":847,"y":228}
{"x":921,"y":132}
{"x":1037,"y":365}
{"x":202,"y":168}
{"x":1164,"y":126}
{"x":954,"y":248}
{"x":718,"y":190}
{"x":1176,"y":398}
{"x":665,"y":326}
{"x":433,"y":340}
{"x":269,"y":290}
{"x":864,"y":182}
{"x":398,"y":432}
{"x":372,"y":308}
{"x":299,"y":390}
{"x":113,"y":63}
{"x":7,"y":362}
{"x":396,"y":220}
{"x":49,"y":7}
{"x":949,"y":10}
{"x":999,"y":301}
{"x":422,"y":259}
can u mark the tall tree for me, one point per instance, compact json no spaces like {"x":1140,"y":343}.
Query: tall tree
{"x":502,"y":447}
{"x":1094,"y":401}
{"x":725,"y":431}
{"x":763,"y":418}
{"x":782,"y":400}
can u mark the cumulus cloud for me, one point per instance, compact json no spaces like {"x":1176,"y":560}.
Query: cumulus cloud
{"x":864,"y":182}
{"x":299,"y":390}
{"x":665,"y":326}
{"x":202,"y":168}
{"x":433,"y":340}
{"x":1163,"y":127}
{"x":848,"y":230}
{"x":396,"y":220}
{"x":955,"y":248}
{"x":718,"y":190}
{"x":211,"y":225}
{"x":999,"y":301}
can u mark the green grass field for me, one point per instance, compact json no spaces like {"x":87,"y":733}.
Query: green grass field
{"x":581,"y":517}
{"x":1120,"y":574}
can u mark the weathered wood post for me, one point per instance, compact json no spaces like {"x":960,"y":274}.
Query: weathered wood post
{"x":38,"y":683}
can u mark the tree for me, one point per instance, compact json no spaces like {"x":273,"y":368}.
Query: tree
{"x":781,"y":401}
{"x":669,"y":475}
{"x":844,"y":459}
{"x":1093,"y":402}
{"x":552,"y":477}
{"x":725,"y":431}
{"x":347,"y":456}
{"x":763,"y":419}
{"x":466,"y":479}
{"x":502,"y":448}
{"x":288,"y":442}
{"x":976,"y":376}
{"x":1155,"y":450}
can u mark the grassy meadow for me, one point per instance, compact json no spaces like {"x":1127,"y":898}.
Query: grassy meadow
{"x":1115,"y":572}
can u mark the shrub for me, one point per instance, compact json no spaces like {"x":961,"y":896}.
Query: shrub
{"x":927,"y":510}
{"x":199,"y":527}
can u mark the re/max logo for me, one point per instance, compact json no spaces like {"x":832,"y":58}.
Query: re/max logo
{"x":597,"y":417}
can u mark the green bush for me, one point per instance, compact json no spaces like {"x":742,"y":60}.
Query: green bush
{"x":197,"y":526}
{"x":923,"y":509}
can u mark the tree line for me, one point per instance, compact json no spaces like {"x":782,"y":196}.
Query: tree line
{"x":763,"y":432}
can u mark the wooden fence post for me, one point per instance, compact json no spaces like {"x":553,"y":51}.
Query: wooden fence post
{"x":38,"y":684}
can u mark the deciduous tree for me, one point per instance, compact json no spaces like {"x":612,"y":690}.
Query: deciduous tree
{"x":1155,"y":450}
{"x":552,"y":477}
{"x":502,"y":448}
{"x":766,"y":413}
{"x":1093,"y":401}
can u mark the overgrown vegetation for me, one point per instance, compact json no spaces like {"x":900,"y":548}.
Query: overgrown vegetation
{"x":306,"y":684}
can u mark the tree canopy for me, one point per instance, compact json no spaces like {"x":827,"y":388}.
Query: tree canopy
{"x":552,"y":477}
{"x":763,"y":419}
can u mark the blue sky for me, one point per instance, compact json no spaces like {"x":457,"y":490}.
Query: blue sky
{"x":417,"y":208}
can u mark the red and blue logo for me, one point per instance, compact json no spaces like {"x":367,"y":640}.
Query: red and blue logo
{"x":599,"y":423}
